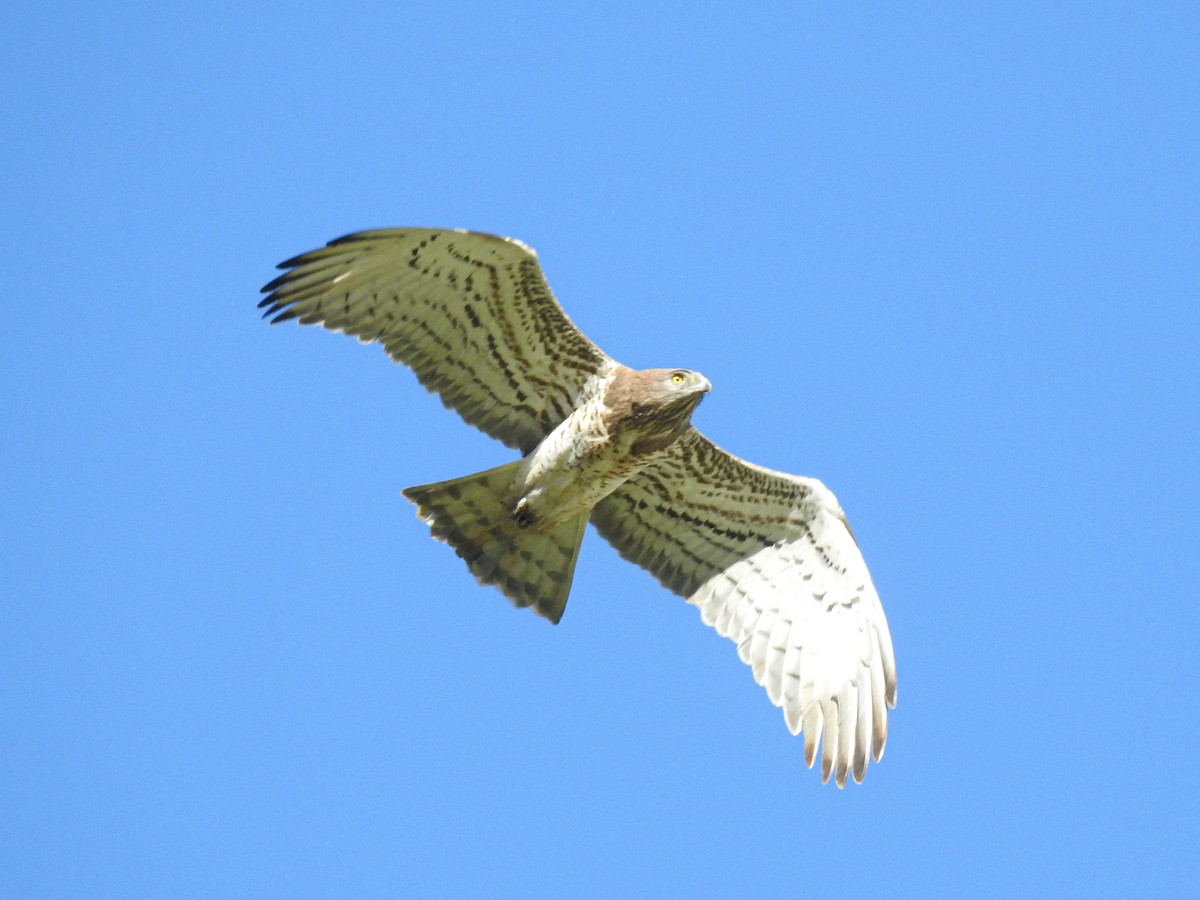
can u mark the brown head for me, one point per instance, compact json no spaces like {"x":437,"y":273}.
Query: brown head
{"x":656,"y":404}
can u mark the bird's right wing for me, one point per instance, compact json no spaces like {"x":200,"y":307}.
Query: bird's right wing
{"x":771,"y":563}
{"x":470,"y":313}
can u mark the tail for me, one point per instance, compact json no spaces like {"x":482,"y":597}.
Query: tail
{"x":474,"y":516}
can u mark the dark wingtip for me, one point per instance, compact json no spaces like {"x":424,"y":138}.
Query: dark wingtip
{"x":365,"y":235}
{"x":276,"y":282}
{"x":298,"y":260}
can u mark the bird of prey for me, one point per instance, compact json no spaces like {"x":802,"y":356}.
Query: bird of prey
{"x":767,"y":557}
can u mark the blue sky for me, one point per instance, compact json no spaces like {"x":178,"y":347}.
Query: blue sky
{"x":943,"y":260}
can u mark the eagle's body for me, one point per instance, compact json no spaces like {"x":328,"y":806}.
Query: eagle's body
{"x":573,"y":469}
{"x":767,"y":557}
{"x":600,"y":446}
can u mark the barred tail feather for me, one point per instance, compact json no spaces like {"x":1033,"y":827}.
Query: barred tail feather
{"x":473,"y":514}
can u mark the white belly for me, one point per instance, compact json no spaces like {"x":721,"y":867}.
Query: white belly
{"x":573,"y":469}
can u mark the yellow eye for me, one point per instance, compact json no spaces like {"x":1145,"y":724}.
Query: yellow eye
{"x":677,"y":378}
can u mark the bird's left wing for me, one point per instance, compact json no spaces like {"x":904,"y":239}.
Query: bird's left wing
{"x":470,"y":313}
{"x":770,"y":561}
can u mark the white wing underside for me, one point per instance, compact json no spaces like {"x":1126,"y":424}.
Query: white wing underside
{"x":771,"y":564}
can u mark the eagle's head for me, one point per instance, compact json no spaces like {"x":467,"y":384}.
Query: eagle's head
{"x":656,"y":405}
{"x":672,"y":387}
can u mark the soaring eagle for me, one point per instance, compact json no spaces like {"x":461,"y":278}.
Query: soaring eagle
{"x":767,"y":557}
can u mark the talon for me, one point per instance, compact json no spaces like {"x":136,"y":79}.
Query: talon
{"x":522,"y":514}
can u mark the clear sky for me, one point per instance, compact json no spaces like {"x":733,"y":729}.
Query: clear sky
{"x":943,"y":260}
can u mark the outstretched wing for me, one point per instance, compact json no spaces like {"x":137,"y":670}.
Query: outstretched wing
{"x":470,"y":313}
{"x":771,"y":563}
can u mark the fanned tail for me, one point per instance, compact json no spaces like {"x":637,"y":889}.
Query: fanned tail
{"x":473,"y":514}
